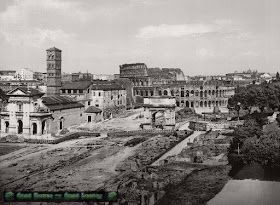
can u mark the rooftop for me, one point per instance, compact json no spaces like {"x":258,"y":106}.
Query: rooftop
{"x":61,"y":103}
{"x":53,"y":49}
{"x":79,"y":85}
{"x":107,"y":87}
{"x":93,"y":109}
{"x":27,"y":91}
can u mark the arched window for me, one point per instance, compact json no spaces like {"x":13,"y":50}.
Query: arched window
{"x":159,"y":93}
{"x":201,"y":104}
{"x":187,"y":93}
{"x":187,"y":104}
{"x":165,"y":92}
{"x":205,"y":104}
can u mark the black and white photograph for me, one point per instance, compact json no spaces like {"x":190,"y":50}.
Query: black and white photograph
{"x":139,"y":102}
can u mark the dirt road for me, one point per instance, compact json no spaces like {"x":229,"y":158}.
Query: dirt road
{"x":179,"y":147}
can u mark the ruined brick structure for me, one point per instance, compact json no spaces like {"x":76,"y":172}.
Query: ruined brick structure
{"x":200,"y":95}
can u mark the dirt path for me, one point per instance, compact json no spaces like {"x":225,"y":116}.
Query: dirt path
{"x":178,"y":148}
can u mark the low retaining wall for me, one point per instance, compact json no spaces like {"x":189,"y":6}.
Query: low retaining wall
{"x":137,"y":132}
{"x":68,"y":136}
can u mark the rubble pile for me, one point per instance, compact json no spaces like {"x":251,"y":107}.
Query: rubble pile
{"x":12,"y":138}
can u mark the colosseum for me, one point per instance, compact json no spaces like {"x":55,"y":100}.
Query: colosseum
{"x":203,"y":96}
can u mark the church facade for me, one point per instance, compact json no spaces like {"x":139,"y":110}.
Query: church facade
{"x":31,"y":112}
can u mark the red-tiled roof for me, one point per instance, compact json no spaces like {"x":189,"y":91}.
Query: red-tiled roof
{"x":61,"y":103}
{"x":93,"y":109}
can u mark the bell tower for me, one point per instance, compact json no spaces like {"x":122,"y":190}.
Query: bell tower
{"x":53,"y":71}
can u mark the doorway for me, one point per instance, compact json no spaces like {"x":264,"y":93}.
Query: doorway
{"x":34,"y":125}
{"x":20,"y":127}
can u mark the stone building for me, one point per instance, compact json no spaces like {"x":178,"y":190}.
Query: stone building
{"x":24,"y":74}
{"x":78,"y":90}
{"x":24,"y":113}
{"x":31,"y":112}
{"x":28,"y":112}
{"x":93,"y":114}
{"x":111,"y":99}
{"x":200,"y":95}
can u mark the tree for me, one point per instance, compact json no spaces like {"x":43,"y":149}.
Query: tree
{"x":264,"y":150}
{"x":277,"y":76}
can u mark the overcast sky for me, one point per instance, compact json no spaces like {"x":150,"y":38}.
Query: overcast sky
{"x":198,"y":36}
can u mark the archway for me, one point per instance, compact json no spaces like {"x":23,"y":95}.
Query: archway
{"x":205,"y":103}
{"x":20,"y":126}
{"x":7,"y":126}
{"x":187,"y":104}
{"x":158,"y":119}
{"x":34,"y":128}
{"x":192,"y":104}
{"x":201,"y":104}
{"x":43,"y":126}
{"x":201,"y":94}
{"x":209,"y":103}
{"x":61,"y":123}
{"x":165,"y":92}
{"x":205,"y":93}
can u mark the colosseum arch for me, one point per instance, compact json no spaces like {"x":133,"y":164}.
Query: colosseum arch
{"x":165,"y":92}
